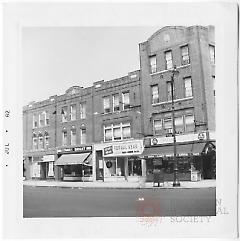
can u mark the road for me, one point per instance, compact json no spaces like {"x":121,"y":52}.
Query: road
{"x":93,"y":202}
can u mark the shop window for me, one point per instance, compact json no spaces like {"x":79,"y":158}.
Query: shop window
{"x":46,"y":140}
{"x":64,"y":138}
{"x":212,"y":54}
{"x":83,"y":136}
{"x":40,"y":141}
{"x":64,"y":113}
{"x":134,"y":167}
{"x":114,"y":167}
{"x":188,"y":87}
{"x":157,"y":127}
{"x":116,"y":106}
{"x":153,"y":64}
{"x":168,"y":60}
{"x":189,"y":123}
{"x":179,"y":128}
{"x":106,"y":104}
{"x":126,"y":100}
{"x":73,"y":137}
{"x":155,"y":94}
{"x":73,"y":112}
{"x":185,"y":55}
{"x":35,"y":121}
{"x":83,"y":110}
{"x":41,"y":119}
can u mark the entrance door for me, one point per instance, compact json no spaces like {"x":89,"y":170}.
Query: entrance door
{"x":120,"y":166}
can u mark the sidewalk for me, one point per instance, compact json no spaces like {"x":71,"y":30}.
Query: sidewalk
{"x":100,"y":184}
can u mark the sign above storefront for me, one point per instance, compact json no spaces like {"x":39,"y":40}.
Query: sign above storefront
{"x":75,"y":149}
{"x":123,"y":149}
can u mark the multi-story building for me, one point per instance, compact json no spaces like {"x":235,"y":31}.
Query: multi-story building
{"x":122,"y":129}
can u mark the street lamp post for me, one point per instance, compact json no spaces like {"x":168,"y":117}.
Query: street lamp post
{"x":176,"y":182}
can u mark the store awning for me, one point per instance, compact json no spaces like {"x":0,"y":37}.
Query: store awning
{"x":72,"y":159}
{"x":168,"y":150}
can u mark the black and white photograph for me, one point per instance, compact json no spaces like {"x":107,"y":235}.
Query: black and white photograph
{"x":120,"y":123}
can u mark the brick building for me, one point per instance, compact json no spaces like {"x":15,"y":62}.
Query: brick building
{"x":121,"y":129}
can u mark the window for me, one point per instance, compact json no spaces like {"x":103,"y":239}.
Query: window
{"x":134,"y":166}
{"x":157,"y":127}
{"x":40,"y":141}
{"x":212,"y":54}
{"x":119,"y":131}
{"x":73,"y":112}
{"x":106,"y":104}
{"x":126,"y":100}
{"x":64,"y":114}
{"x":169,"y":91}
{"x":83,"y":136}
{"x":83,"y":110}
{"x":73,"y":137}
{"x":35,"y":122}
{"x":42,"y":119}
{"x":155,"y":94}
{"x":189,"y":123}
{"x":179,"y":125}
{"x":46,"y":140}
{"x":116,"y":132}
{"x":153,"y":63}
{"x":47,"y":118}
{"x":64,"y":138}
{"x":185,"y":55}
{"x":126,"y":131}
{"x":214,"y":85}
{"x":168,"y":125}
{"x":188,"y":87}
{"x":116,"y":102}
{"x":168,"y":59}
{"x":35,"y":142}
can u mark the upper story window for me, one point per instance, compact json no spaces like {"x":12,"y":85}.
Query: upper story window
{"x":118,"y":131}
{"x":185,"y":55}
{"x":116,"y":106}
{"x":83,"y":136}
{"x":73,"y":137}
{"x":168,"y":59}
{"x":179,"y":127}
{"x":64,"y":137}
{"x":212,"y":54}
{"x":35,"y":121}
{"x":35,"y":142}
{"x":40,"y":141}
{"x":188,"y":87}
{"x":46,"y":140}
{"x":155,"y":94}
{"x":157,"y":127}
{"x":126,"y":100}
{"x":41,"y":119}
{"x":168,"y":125}
{"x":73,"y":112}
{"x":189,"y":123}
{"x":169,"y":91}
{"x":153,"y":63}
{"x":214,"y":85}
{"x":106,"y":104}
{"x":83,"y":110}
{"x":64,"y":114}
{"x":47,"y":120}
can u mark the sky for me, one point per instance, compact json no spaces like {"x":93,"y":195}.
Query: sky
{"x":56,"y":58}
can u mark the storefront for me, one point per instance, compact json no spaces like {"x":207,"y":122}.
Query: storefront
{"x":119,"y":161}
{"x":75,"y":164}
{"x":195,"y":153}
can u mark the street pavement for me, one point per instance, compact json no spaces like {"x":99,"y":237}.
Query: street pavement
{"x":111,"y":202}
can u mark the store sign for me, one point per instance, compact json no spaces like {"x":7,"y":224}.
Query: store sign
{"x":76,"y":149}
{"x":123,"y":149}
{"x":48,"y":158}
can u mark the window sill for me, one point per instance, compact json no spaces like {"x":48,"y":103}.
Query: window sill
{"x":168,"y":102}
{"x":169,"y":70}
